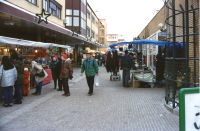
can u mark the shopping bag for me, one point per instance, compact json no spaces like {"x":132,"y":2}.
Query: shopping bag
{"x":36,"y":82}
{"x":96,"y":82}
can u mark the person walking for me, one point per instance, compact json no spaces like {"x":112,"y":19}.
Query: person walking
{"x":52,"y":66}
{"x":66,"y":73}
{"x":40,"y":75}
{"x":57,"y":71}
{"x":8,"y":76}
{"x":91,"y":68}
{"x":126,"y":64}
{"x":100,"y":59}
{"x":17,"y":61}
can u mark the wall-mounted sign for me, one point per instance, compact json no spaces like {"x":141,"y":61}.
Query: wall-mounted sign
{"x":189,"y":111}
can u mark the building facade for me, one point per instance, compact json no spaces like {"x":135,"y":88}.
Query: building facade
{"x":18,"y":20}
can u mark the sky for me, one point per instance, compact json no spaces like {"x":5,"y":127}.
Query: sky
{"x":126,"y":17}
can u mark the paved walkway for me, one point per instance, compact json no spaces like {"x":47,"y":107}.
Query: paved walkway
{"x":111,"y":108}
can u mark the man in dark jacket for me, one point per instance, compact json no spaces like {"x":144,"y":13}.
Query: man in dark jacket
{"x":91,"y":68}
{"x":126,"y":64}
{"x":66,"y":73}
{"x":57,"y":71}
{"x":20,"y":77}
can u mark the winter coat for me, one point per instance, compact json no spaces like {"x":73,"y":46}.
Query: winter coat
{"x":37,"y":68}
{"x":58,"y":68}
{"x":127,"y":62}
{"x":8,"y":77}
{"x":90,"y":67}
{"x":66,"y":69}
{"x":52,"y":66}
{"x":20,"y":72}
{"x":26,"y":77}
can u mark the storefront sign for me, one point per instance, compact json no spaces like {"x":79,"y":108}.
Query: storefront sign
{"x":189,"y":113}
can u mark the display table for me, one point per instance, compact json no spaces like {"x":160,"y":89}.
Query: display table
{"x":49,"y":77}
{"x":141,"y":75}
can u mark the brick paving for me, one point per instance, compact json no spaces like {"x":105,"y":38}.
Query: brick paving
{"x":111,"y":108}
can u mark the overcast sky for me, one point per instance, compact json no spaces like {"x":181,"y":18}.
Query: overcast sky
{"x":127,"y":17}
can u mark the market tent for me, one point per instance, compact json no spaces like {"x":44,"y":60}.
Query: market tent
{"x":160,"y":43}
{"x":13,"y":41}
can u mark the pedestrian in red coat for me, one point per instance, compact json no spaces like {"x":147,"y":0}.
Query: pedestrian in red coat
{"x":25,"y":85}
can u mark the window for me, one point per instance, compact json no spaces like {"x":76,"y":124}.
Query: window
{"x":84,"y":2}
{"x":76,"y":21}
{"x":58,"y":13}
{"x":93,"y":20}
{"x":88,"y":31}
{"x":69,"y":21}
{"x":52,"y":7}
{"x":68,"y":12}
{"x":92,"y":34}
{"x":88,"y":14}
{"x":76,"y":13}
{"x":45,"y":5}
{"x":101,"y":32}
{"x":33,"y":2}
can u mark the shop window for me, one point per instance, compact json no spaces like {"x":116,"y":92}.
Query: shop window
{"x":88,"y":14}
{"x":69,"y":21}
{"x":88,"y":31}
{"x":45,"y":5}
{"x":93,"y":20}
{"x":76,"y":21}
{"x":93,"y":34}
{"x":76,"y":13}
{"x":33,"y":1}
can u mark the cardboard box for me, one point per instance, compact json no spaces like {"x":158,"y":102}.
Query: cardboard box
{"x":136,"y":83}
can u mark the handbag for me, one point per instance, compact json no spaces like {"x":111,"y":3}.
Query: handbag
{"x":41,"y":74}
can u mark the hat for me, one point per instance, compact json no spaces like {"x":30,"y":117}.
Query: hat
{"x":65,"y":56}
{"x":88,"y":53}
{"x":56,"y":57}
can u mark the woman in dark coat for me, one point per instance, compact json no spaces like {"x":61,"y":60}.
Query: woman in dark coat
{"x":52,"y":66}
{"x":57,"y":71}
{"x":160,"y":67}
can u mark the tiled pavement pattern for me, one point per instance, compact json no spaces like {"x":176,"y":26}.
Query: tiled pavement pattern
{"x":111,"y":108}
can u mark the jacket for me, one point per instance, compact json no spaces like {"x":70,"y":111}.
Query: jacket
{"x":52,"y":66}
{"x":127,"y":62}
{"x":20,"y":72}
{"x":58,"y":68}
{"x":66,"y":69}
{"x":8,"y":77}
{"x":88,"y":67}
{"x":37,"y":68}
{"x":26,"y":77}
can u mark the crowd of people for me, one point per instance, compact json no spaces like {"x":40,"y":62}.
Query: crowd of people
{"x":15,"y":73}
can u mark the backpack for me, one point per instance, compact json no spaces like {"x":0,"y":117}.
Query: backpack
{"x":84,"y":64}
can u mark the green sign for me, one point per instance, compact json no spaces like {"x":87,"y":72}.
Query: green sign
{"x":189,"y":111}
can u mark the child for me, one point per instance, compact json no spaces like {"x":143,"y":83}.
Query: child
{"x":25,"y":85}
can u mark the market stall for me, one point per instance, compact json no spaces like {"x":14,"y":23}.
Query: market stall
{"x":31,"y":50}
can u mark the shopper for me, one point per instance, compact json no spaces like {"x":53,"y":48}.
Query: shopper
{"x":17,"y":61}
{"x":126,"y":64}
{"x":8,"y":76}
{"x":91,"y":68}
{"x":52,"y":66}
{"x":25,"y":85}
{"x":100,"y":59}
{"x":66,"y":73}
{"x":40,"y":75}
{"x":57,"y":71}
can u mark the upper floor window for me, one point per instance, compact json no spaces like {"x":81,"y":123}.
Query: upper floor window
{"x":33,"y":1}
{"x":84,"y":2}
{"x":93,"y":36}
{"x":88,"y":14}
{"x":101,"y":32}
{"x":52,"y":7}
{"x":88,"y":31}
{"x":93,"y":20}
{"x":76,"y":12}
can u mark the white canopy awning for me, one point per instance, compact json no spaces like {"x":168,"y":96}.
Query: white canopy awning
{"x":13,"y":41}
